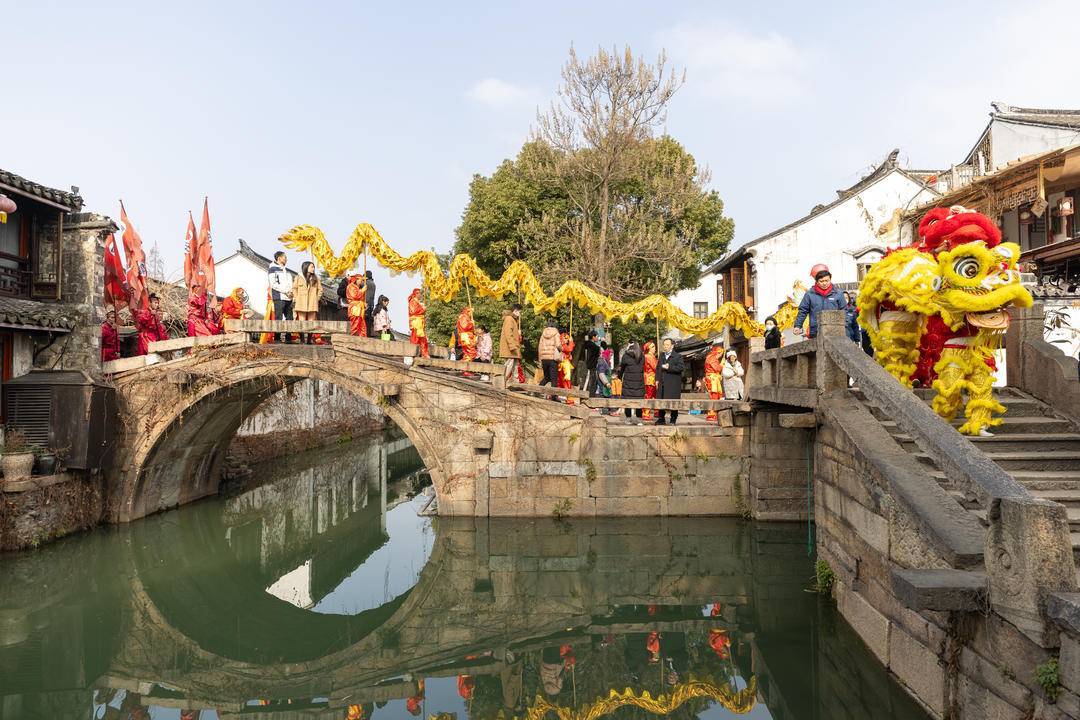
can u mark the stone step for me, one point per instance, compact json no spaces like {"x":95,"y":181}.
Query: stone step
{"x":1001,"y":442}
{"x":1069,"y":498}
{"x":1014,"y":425}
{"x":1011,"y":460}
{"x":1014,"y":407}
{"x":1055,"y":480}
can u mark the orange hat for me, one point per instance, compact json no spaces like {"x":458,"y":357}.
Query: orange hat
{"x":818,"y":270}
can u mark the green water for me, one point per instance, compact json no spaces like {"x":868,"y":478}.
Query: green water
{"x":322,"y":593}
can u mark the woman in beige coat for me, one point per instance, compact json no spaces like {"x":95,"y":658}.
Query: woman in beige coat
{"x":306,"y":292}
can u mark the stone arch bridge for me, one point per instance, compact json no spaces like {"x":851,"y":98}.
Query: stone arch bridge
{"x":489,"y":451}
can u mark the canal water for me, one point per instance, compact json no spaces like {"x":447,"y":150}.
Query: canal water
{"x":319,"y":589}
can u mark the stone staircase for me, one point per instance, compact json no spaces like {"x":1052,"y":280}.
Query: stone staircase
{"x":1036,"y":446}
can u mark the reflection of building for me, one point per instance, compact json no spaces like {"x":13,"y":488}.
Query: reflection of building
{"x":281,"y":523}
{"x":843,"y":234}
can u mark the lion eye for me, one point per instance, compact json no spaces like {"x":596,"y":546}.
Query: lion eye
{"x":966,"y":268}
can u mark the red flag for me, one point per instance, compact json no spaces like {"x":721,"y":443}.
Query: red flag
{"x":136,"y":262}
{"x":116,"y":293}
{"x":206,"y":251}
{"x":191,"y":252}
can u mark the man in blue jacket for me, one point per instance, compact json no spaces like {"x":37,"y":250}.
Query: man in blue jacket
{"x":822,"y":296}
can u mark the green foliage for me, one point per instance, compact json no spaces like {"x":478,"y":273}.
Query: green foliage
{"x":1047,"y":677}
{"x":562,"y":508}
{"x":665,"y":225}
{"x":824,"y":577}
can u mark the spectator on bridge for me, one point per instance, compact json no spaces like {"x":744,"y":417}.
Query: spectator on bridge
{"x":549,"y":352}
{"x":369,"y":315}
{"x":149,"y":326}
{"x":670,"y":368}
{"x":733,"y":377}
{"x":510,"y":342}
{"x":280,"y":291}
{"x":380,"y":321}
{"x":110,"y":338}
{"x":822,"y":296}
{"x":306,"y":293}
{"x":632,"y":375}
{"x":590,"y":353}
{"x":602,"y":388}
{"x":483,"y":344}
{"x":851,"y":319}
{"x":772,"y":333}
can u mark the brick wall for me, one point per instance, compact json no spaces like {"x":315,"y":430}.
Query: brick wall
{"x":779,"y":467}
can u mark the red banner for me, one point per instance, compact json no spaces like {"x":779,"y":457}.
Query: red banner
{"x":136,"y":262}
{"x":191,"y":252}
{"x":116,"y":293}
{"x":206,"y":252}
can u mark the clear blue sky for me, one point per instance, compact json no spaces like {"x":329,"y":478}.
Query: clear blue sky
{"x":335,"y":113}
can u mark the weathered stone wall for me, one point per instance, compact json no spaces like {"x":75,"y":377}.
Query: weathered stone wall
{"x":956,"y":664}
{"x":780,"y":466}
{"x":81,"y":293}
{"x":31,"y":517}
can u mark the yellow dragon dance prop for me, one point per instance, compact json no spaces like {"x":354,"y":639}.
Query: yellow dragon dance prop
{"x":936,"y":312}
{"x":739,"y":702}
{"x":518,"y":277}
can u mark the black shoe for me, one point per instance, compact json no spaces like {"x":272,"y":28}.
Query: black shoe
{"x":660,"y":421}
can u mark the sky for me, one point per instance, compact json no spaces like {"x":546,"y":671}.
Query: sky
{"x":336,"y":113}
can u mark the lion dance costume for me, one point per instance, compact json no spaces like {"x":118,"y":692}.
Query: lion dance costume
{"x":937,"y":310}
{"x":417,"y":333}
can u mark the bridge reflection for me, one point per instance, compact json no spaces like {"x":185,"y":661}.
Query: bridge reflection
{"x":281,"y":602}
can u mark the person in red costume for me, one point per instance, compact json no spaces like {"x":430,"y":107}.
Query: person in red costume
{"x":235,"y":307}
{"x":356,"y":296}
{"x":566,"y":366}
{"x":214,"y":318}
{"x":414,"y":704}
{"x":650,"y":376}
{"x":110,"y":338}
{"x":466,"y":331}
{"x":465,"y":686}
{"x":417,"y":331}
{"x":149,"y":326}
{"x":198,"y":319}
{"x":652,"y":645}
{"x":714,"y":376}
{"x":720,"y":643}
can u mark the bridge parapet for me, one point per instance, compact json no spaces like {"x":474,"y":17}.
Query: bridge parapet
{"x":891,"y":526}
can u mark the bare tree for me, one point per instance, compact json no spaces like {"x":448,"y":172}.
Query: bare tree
{"x":600,"y":128}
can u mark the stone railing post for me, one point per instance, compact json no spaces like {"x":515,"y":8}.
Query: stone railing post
{"x":1028,"y":556}
{"x":830,"y":328}
{"x":754,"y":370}
{"x":1025,"y":324}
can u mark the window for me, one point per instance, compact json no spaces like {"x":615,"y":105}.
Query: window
{"x":701,"y":310}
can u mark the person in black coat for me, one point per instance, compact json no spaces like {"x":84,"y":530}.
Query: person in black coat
{"x":669,"y":370}
{"x":772,"y":333}
{"x":369,"y":299}
{"x":632,"y":374}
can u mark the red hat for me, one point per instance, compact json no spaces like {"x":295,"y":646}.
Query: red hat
{"x":945,"y":228}
{"x":819,"y":269}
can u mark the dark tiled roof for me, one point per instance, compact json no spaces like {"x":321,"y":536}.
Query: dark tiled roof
{"x":16,"y":311}
{"x":1036,"y":116}
{"x":70,"y":200}
{"x":890,"y":164}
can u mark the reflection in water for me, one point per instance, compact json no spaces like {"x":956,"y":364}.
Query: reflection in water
{"x":322,"y":594}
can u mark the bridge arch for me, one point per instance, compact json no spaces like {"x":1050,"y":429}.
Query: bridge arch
{"x":179,"y":421}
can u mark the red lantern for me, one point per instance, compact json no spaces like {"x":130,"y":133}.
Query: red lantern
{"x":7,"y":206}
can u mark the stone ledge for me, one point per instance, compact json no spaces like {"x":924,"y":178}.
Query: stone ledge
{"x":940,"y":589}
{"x":1064,"y":610}
{"x":33,"y":483}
